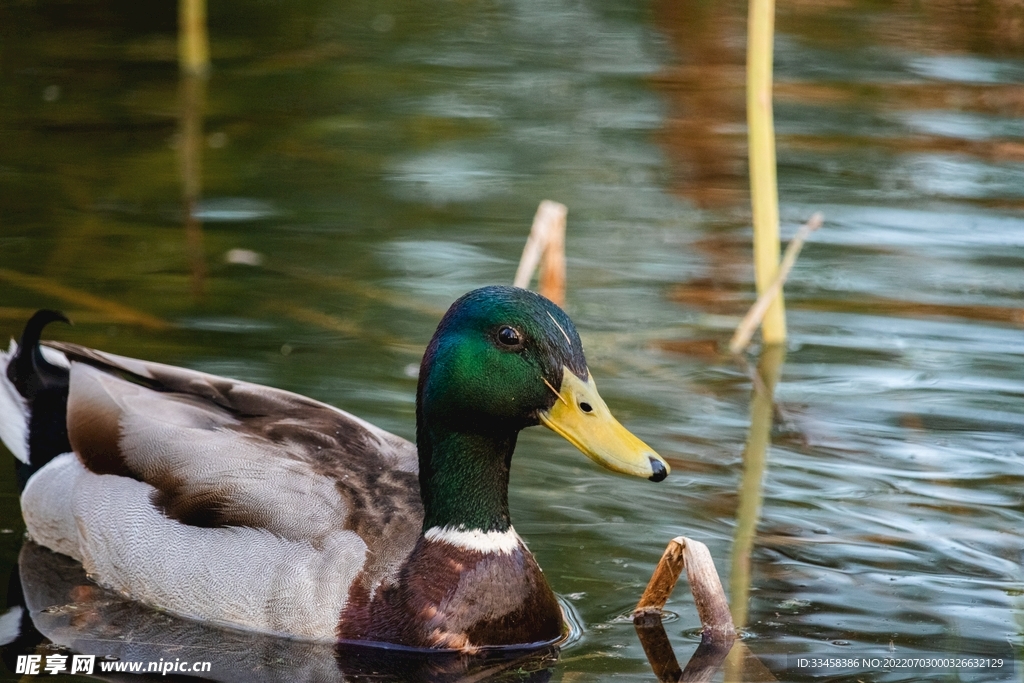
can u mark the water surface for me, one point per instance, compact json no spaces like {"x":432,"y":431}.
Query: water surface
{"x":382,"y":159}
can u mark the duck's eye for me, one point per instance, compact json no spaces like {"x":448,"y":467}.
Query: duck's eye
{"x":509,"y":336}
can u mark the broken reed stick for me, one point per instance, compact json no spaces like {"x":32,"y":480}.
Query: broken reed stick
{"x":706,"y":587}
{"x":741,"y":339}
{"x":547,"y":241}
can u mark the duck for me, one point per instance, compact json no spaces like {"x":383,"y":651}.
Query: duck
{"x":254,"y":508}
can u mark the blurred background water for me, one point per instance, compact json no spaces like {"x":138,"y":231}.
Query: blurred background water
{"x":363,"y":164}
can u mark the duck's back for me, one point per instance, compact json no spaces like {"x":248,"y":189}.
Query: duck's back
{"x":219,"y":499}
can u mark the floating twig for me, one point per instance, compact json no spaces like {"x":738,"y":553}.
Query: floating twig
{"x":547,"y":240}
{"x":712,"y":607}
{"x":741,"y":339}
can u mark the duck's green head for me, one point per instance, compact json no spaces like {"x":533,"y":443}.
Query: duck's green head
{"x":505,"y":358}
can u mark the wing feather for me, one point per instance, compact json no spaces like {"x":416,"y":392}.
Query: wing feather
{"x":220,"y":452}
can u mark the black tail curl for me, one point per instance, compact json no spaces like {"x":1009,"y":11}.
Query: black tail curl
{"x":44,"y":386}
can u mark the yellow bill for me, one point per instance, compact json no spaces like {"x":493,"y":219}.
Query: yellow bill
{"x":582,"y":418}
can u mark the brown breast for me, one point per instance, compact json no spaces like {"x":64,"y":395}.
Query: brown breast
{"x":450,"y":597}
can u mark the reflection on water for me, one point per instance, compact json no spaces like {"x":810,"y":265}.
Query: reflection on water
{"x":372,"y":164}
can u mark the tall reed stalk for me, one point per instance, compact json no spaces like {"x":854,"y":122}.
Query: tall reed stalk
{"x":764,"y":191}
{"x":194,"y":65}
{"x":193,"y":41}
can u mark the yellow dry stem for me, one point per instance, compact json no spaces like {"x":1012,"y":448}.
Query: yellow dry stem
{"x":764,"y":194}
{"x":193,"y":41}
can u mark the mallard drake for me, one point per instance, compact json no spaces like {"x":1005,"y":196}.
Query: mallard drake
{"x":256,"y":508}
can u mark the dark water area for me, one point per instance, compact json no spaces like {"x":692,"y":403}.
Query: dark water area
{"x":357,"y":166}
